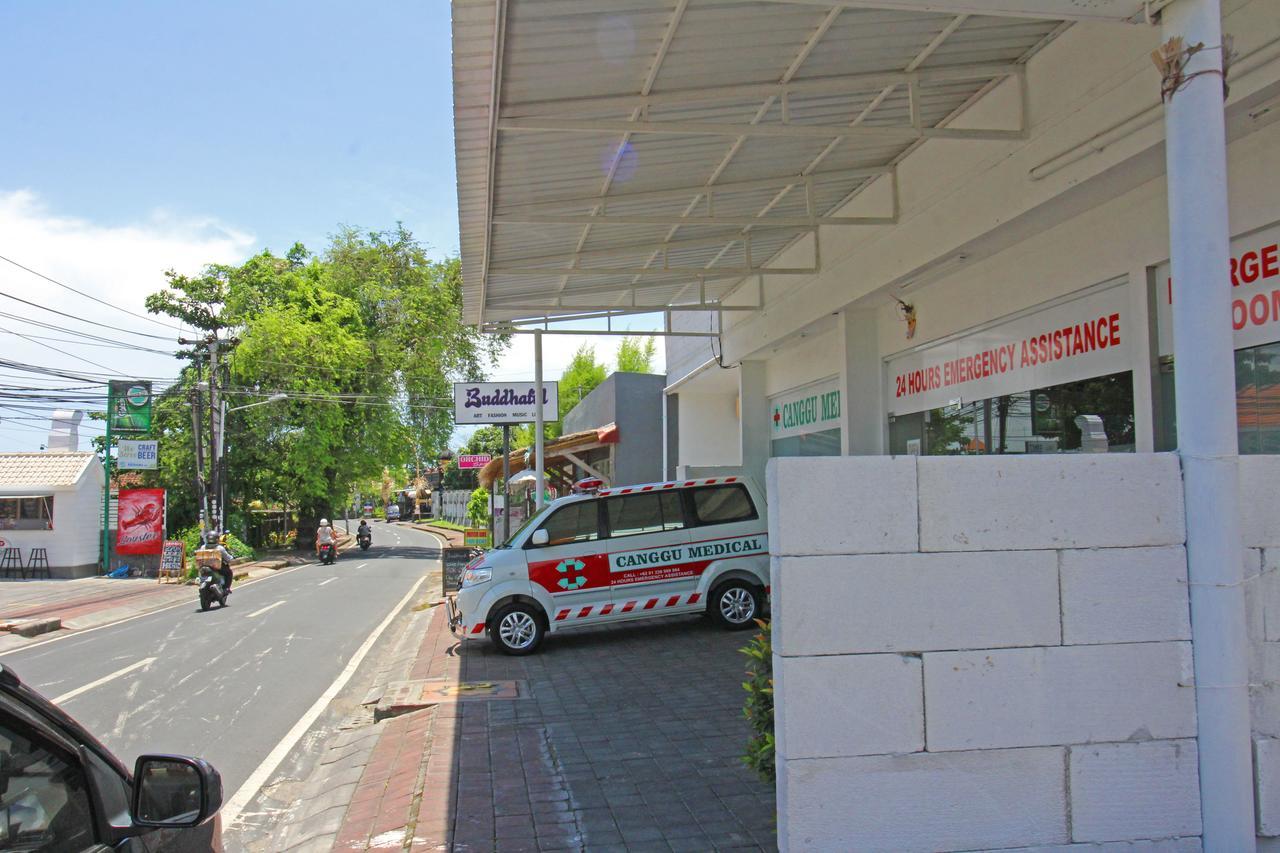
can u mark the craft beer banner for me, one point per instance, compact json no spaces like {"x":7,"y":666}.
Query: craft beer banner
{"x":1077,"y":339}
{"x":140,"y":529}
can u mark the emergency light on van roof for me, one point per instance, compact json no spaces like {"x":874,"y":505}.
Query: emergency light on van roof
{"x":672,"y":484}
{"x":587,"y":486}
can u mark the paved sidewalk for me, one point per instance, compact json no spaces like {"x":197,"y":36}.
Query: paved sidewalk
{"x":626,"y":738}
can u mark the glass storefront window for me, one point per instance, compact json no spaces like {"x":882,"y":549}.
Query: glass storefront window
{"x":822,"y":443}
{"x":1036,"y":421}
{"x":1257,"y":401}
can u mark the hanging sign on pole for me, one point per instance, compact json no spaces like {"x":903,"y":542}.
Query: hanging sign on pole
{"x":137,"y":455}
{"x":129,"y":405}
{"x":503,"y":402}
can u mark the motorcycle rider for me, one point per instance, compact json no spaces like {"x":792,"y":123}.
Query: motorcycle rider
{"x":219,"y":543}
{"x":325,"y":536}
{"x":364,"y":530}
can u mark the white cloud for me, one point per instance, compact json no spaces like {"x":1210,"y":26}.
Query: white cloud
{"x":121,"y":264}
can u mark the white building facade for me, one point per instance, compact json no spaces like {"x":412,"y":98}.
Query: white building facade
{"x":53,"y":500}
{"x":1030,"y":647}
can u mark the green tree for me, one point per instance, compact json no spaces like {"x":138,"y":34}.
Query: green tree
{"x":486,"y":439}
{"x":478,"y":507}
{"x":365,"y":341}
{"x":635,"y":355}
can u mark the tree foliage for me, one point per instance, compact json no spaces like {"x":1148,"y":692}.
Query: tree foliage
{"x":635,"y":355}
{"x":365,"y":340}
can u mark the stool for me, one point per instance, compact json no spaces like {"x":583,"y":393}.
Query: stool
{"x":38,"y":563}
{"x":11,"y":564}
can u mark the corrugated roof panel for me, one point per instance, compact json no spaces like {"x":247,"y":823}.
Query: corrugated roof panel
{"x":557,"y":52}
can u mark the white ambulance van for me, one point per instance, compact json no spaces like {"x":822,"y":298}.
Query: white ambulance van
{"x":630,"y":552}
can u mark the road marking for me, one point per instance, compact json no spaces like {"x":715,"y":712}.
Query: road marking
{"x":231,"y":810}
{"x":330,"y":580}
{"x":72,"y":634}
{"x":265,"y":609}
{"x":362,"y":565}
{"x":67,"y":697}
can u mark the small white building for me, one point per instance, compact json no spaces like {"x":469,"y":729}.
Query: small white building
{"x":53,"y":500}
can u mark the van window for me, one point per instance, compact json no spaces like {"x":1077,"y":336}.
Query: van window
{"x":651,"y":512}
{"x":722,"y":504}
{"x":577,"y":522}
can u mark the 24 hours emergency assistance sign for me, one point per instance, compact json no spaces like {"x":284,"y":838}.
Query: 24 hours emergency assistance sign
{"x":1080,"y":338}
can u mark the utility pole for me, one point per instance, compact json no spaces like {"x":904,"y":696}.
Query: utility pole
{"x":215,"y":480}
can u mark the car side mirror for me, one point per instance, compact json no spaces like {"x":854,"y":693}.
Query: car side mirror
{"x":540,"y":537}
{"x":174,"y":791}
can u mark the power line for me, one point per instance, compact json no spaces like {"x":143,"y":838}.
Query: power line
{"x":91,"y":343}
{"x":149,"y":319}
{"x":55,"y":349}
{"x":82,"y":320}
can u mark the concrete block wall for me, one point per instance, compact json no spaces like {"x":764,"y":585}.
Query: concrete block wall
{"x":981,"y":653}
{"x":1260,"y":523}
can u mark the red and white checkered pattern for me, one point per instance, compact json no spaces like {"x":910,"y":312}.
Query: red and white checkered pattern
{"x":655,"y":602}
{"x":675,"y":484}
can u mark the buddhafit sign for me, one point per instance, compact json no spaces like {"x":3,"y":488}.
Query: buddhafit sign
{"x":503,"y":402}
{"x":129,"y":405}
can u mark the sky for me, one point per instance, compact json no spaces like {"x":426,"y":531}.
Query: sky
{"x":137,"y":137}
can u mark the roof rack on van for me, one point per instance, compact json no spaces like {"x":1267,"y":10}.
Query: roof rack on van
{"x":671,"y":484}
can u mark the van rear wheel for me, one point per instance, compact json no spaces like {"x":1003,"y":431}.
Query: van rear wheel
{"x":517,"y":629}
{"x":735,"y":604}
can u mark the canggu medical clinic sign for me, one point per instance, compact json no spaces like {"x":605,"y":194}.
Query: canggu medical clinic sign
{"x":503,"y":402}
{"x":1066,"y":341}
{"x":1254,"y":278}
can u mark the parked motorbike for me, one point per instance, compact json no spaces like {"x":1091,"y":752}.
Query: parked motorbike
{"x":328,"y":554}
{"x":212,"y":586}
{"x":365,"y":539}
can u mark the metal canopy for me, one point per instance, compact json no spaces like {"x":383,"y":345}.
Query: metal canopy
{"x":622,"y":156}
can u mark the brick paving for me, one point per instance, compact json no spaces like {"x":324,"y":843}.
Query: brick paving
{"x":630,"y":740}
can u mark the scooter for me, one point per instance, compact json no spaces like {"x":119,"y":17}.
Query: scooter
{"x":212,"y":586}
{"x":328,"y":554}
{"x":365,"y":539}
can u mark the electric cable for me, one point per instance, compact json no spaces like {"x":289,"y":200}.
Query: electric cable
{"x":88,"y":295}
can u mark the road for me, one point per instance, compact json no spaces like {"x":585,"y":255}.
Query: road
{"x":229,"y":685}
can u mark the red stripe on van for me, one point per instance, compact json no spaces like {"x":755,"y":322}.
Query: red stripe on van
{"x":562,"y":615}
{"x":478,"y":628}
{"x":606,"y":610}
{"x":731,"y":479}
{"x":584,"y":613}
{"x":628,"y":607}
{"x":673,"y":600}
{"x":693,"y":599}
{"x":650,"y":604}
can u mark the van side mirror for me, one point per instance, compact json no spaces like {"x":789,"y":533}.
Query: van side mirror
{"x":540,"y":537}
{"x":174,"y":791}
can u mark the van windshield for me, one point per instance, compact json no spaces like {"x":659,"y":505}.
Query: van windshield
{"x":529,"y":523}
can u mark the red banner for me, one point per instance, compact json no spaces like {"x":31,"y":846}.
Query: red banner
{"x":141,"y":521}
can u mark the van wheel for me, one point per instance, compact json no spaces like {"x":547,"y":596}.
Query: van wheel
{"x":517,"y":629}
{"x":734,"y":604}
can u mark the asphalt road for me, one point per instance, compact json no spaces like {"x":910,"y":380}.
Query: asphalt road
{"x":229,"y":684}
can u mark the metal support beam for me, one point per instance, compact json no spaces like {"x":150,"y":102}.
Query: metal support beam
{"x":1117,"y":11}
{"x":686,"y":192}
{"x":646,"y":219}
{"x":513,"y":329}
{"x":838,"y":85}
{"x":791,"y":131}
{"x":648,"y":272}
{"x":576,"y":460}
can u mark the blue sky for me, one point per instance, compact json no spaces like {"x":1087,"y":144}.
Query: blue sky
{"x":282,"y":119}
{"x":138,"y":136}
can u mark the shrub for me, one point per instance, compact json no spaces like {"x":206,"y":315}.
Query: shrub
{"x":759,"y":705}
{"x":478,"y":507}
{"x":191,"y":536}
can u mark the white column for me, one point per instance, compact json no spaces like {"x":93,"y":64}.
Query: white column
{"x":540,"y":481}
{"x":753,"y":414}
{"x":1206,"y":408}
{"x":862,"y":415}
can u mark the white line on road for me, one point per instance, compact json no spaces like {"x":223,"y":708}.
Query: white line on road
{"x":235,"y":805}
{"x":264,"y":610}
{"x":362,"y":565}
{"x":330,"y":580}
{"x":67,"y":697}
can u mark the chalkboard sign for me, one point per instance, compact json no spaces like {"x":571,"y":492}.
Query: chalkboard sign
{"x":173,"y":559}
{"x":455,"y":561}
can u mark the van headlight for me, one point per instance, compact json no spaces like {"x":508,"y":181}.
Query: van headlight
{"x":477,"y":575}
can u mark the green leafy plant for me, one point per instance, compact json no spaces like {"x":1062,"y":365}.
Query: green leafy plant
{"x":478,"y":507}
{"x":758,"y":708}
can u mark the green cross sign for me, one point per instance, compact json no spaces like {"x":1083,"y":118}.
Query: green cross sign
{"x":574,"y":566}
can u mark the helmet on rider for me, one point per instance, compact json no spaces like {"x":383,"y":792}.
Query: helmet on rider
{"x":324,"y":522}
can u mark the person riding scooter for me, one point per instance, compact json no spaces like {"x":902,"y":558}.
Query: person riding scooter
{"x":364,"y":531}
{"x":220,"y":543}
{"x":326,"y":536}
